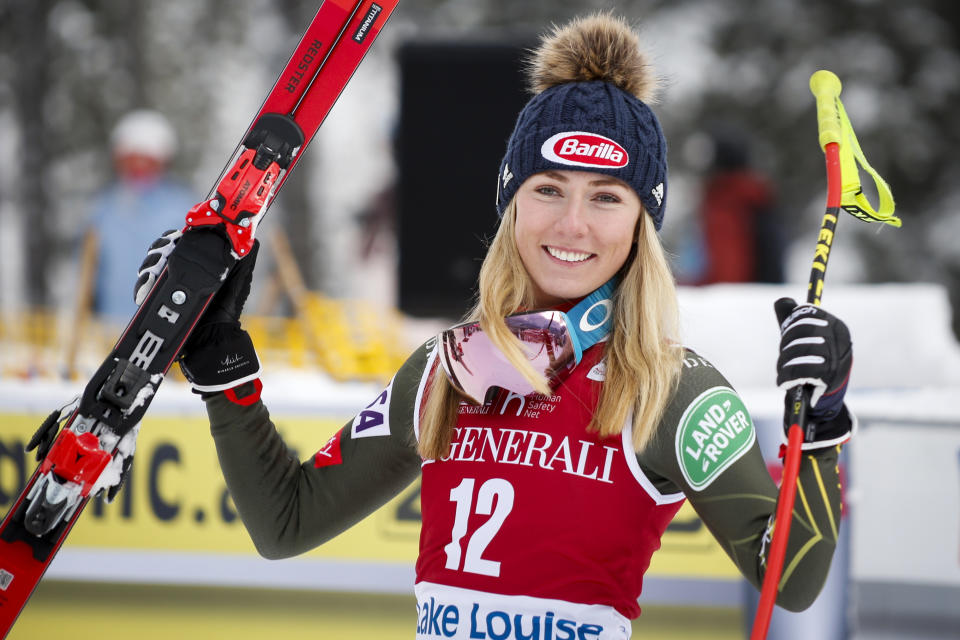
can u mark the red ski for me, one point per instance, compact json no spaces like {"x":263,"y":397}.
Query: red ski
{"x":86,"y":448}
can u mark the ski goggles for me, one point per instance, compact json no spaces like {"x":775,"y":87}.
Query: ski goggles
{"x":552,"y":341}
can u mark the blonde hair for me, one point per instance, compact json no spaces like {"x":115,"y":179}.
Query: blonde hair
{"x":642,"y":353}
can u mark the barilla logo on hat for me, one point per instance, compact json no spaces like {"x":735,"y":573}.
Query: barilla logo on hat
{"x":584,"y":149}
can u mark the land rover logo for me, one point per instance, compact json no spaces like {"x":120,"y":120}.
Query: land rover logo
{"x":714,"y":432}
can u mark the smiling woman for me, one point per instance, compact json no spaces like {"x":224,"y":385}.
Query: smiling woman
{"x":560,"y":428}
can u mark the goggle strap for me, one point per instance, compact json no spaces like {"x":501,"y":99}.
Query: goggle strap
{"x":590,"y":319}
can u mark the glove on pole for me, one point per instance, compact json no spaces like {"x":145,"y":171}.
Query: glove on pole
{"x":815,"y":350}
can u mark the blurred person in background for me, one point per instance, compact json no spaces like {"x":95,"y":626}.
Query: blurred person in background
{"x":741,"y":233}
{"x":549,"y":472}
{"x":129,"y":213}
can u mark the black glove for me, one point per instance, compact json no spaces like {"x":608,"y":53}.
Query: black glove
{"x":219,"y":354}
{"x":815,"y":350}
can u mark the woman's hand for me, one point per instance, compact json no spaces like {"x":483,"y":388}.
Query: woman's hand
{"x":816,"y":350}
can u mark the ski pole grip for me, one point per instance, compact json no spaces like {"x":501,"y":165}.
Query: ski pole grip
{"x":825,"y":86}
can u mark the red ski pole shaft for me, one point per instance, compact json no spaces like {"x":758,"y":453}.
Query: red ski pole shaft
{"x":826,"y":88}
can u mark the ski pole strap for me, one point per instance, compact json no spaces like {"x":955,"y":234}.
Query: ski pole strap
{"x":835,"y":127}
{"x":853,"y":200}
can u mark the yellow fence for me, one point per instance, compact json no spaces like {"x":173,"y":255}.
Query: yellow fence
{"x":346,"y":339}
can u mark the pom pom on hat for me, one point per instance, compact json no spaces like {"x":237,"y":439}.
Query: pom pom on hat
{"x":595,"y":47}
{"x":590,"y":112}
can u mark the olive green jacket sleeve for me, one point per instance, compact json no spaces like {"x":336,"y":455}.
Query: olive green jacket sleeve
{"x":706,"y":447}
{"x":289,"y":506}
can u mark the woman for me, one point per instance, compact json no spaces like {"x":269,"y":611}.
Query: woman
{"x":548,"y":479}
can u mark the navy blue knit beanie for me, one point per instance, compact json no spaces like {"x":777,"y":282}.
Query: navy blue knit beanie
{"x":588,"y":114}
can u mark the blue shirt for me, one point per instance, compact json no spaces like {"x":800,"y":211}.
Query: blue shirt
{"x":128,"y":217}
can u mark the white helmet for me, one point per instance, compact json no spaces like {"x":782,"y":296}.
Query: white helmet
{"x":144,"y":132}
